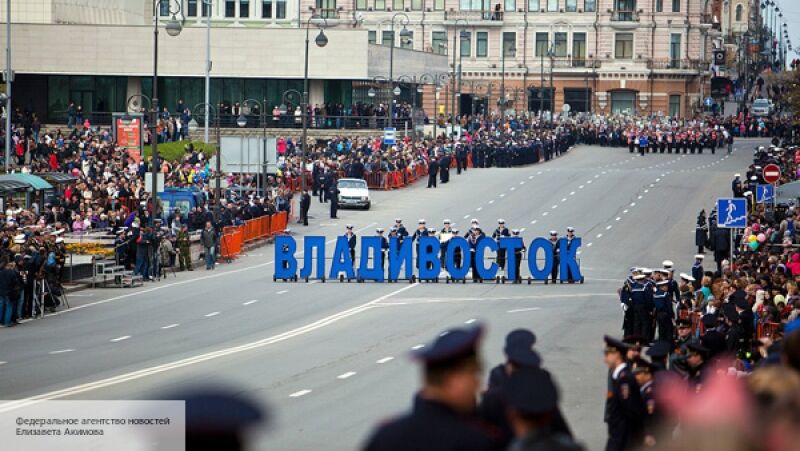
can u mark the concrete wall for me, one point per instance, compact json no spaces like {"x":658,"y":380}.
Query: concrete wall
{"x":406,"y":62}
{"x":235,"y":52}
{"x":106,"y":12}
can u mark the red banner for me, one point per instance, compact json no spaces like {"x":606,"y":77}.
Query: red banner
{"x":129,"y":136}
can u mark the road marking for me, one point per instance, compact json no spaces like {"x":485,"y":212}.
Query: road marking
{"x":633,"y":204}
{"x":466,"y":216}
{"x":647,"y":191}
{"x":3,"y":363}
{"x":658,"y":180}
{"x":470,"y":321}
{"x":530,"y":309}
{"x":608,"y":227}
{"x":589,"y":245}
{"x":589,"y":182}
{"x":513,"y":188}
{"x":420,"y":346}
{"x":563,"y":199}
{"x":533,"y":222}
{"x":491,"y":201}
{"x":209,"y":315}
{"x":134,"y":375}
{"x":502,"y":195}
{"x":170,"y":326}
{"x":522,"y":182}
{"x":599,"y":235}
{"x":596,"y":176}
{"x":300,"y":393}
{"x":555,"y":206}
{"x":580,"y":187}
{"x":384,"y":360}
{"x":346,"y":375}
{"x":617,"y":218}
{"x":118,"y":339}
{"x":539,"y":173}
{"x":479,"y":209}
{"x":624,"y":212}
{"x":522,"y":230}
{"x":545,"y":214}
{"x":61,"y":351}
{"x":282,"y":292}
{"x":572,"y":193}
{"x":530,"y":177}
{"x":250,"y":302}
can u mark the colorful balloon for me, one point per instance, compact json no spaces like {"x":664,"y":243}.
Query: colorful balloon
{"x":761,"y":238}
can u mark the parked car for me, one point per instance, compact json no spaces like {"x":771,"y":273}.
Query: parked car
{"x":353,"y":193}
{"x":761,"y":107}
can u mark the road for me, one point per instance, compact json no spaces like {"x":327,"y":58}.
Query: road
{"x":331,"y":360}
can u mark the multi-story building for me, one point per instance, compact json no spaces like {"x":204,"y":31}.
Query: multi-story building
{"x":604,"y":56}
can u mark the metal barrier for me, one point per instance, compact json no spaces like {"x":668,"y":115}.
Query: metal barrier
{"x":234,"y":238}
{"x":764,"y":330}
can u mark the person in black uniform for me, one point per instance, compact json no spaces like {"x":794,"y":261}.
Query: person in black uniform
{"x":443,"y":416}
{"x":444,"y":168}
{"x":473,"y":237}
{"x":422,"y":230}
{"x":433,"y":171}
{"x":461,"y":158}
{"x":333,"y":194}
{"x":624,"y":409}
{"x":500,"y":232}
{"x":643,"y":371}
{"x":518,"y":256}
{"x":402,"y":233}
{"x":352,"y":240}
{"x":659,"y":353}
{"x":305,"y":205}
{"x":556,"y":255}
{"x":701,"y":232}
{"x":663,"y":309}
{"x":384,"y":247}
{"x":570,"y":243}
{"x":639,"y":300}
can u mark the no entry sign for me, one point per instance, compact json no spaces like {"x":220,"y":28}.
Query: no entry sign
{"x":772,"y":173}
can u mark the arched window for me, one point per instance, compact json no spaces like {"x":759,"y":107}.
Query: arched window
{"x":739,"y":12}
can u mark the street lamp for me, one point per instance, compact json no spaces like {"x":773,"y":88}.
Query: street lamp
{"x":173,"y":28}
{"x":404,"y":34}
{"x":241,"y":121}
{"x":511,"y":49}
{"x":456,"y":51}
{"x":211,"y":109}
{"x":321,"y":41}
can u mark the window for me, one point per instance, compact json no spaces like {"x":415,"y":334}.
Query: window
{"x":623,"y":102}
{"x":475,"y":5}
{"x":739,"y":13}
{"x":509,"y":43}
{"x":163,"y":8}
{"x":407,"y":42}
{"x":372,"y":36}
{"x":191,"y":8}
{"x":361,"y":5}
{"x":623,"y":47}
{"x":590,"y":6}
{"x":387,"y":37}
{"x":439,"y":42}
{"x":510,"y":5}
{"x":398,"y":5}
{"x":675,"y":51}
{"x":560,"y":44}
{"x":266,"y":9}
{"x":280,"y":9}
{"x":659,"y":6}
{"x":416,"y":5}
{"x":466,"y":43}
{"x":380,"y":5}
{"x":579,"y":49}
{"x":438,"y":5}
{"x":482,"y":44}
{"x":578,"y":99}
{"x":552,"y":5}
{"x":676,"y":6}
{"x":533,"y":5}
{"x":541,"y":43}
{"x":230,"y":8}
{"x":326,"y":8}
{"x":572,"y":6}
{"x":244,"y":8}
{"x":624,"y":10}
{"x":674,"y":105}
{"x":206,"y":8}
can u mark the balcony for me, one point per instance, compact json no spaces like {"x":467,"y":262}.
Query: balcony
{"x":677,"y":64}
{"x":624,"y":20}
{"x":485,"y":17}
{"x":578,"y":63}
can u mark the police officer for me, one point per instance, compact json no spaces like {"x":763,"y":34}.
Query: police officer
{"x":444,"y":238}
{"x":184,"y":248}
{"x":352,"y":240}
{"x":402,"y":233}
{"x":384,"y":247}
{"x":500,"y":232}
{"x":556,"y":255}
{"x":518,"y":256}
{"x":443,"y":416}
{"x":569,"y":245}
{"x":473,"y":238}
{"x":624,"y":410}
{"x":333,"y":193}
{"x":305,"y":205}
{"x":663,"y":307}
{"x":643,"y":371}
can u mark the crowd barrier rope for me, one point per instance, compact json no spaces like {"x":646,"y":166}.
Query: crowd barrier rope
{"x":234,"y":238}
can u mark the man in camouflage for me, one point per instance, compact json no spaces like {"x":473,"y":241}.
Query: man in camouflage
{"x":184,"y":249}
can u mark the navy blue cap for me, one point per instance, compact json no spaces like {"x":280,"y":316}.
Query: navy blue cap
{"x":741,"y":303}
{"x":659,"y":350}
{"x":612,"y":344}
{"x":636,"y":340}
{"x":523,"y":336}
{"x":531,"y":391}
{"x":219,"y":410}
{"x":522,"y":355}
{"x":451,"y":344}
{"x":641,"y":365}
{"x":710,"y":321}
{"x":698,"y":348}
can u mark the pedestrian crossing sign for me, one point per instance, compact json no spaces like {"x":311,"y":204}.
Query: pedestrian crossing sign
{"x":732,"y":213}
{"x":765,"y":193}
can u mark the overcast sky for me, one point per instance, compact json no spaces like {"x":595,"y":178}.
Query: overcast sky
{"x":791,"y":14}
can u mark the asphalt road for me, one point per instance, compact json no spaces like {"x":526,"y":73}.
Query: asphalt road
{"x":332,"y":360}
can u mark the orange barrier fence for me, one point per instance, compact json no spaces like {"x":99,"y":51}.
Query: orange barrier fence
{"x":234,"y":238}
{"x":764,"y":330}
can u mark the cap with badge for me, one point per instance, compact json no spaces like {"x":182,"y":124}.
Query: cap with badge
{"x":570,"y":230}
{"x":659,"y":350}
{"x":553,"y":233}
{"x":379,"y":230}
{"x":686,"y":277}
{"x":451,"y":346}
{"x":519,"y":348}
{"x":614,"y":345}
{"x":636,"y":341}
{"x":421,"y":221}
{"x":641,"y":365}
{"x":349,"y":227}
{"x":501,"y":221}
{"x":667,"y":264}
{"x":515,"y":232}
{"x":699,"y":257}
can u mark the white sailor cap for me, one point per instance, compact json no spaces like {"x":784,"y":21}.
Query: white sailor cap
{"x":421,"y":221}
{"x":501,"y":221}
{"x":662,"y":282}
{"x":647,"y":271}
{"x":431,"y":230}
{"x":748,"y":193}
{"x":475,"y":221}
{"x":379,"y":230}
{"x":21,"y":236}
{"x":737,"y":175}
{"x":687,"y":277}
{"x":553,"y":233}
{"x":667,"y":264}
{"x":398,"y":220}
{"x":515,"y":232}
{"x":662,"y":271}
{"x":59,"y":240}
{"x":446,"y":221}
{"x":455,"y":230}
{"x":699,"y":257}
{"x":570,"y":229}
{"x":348,"y":226}
{"x":633,"y":269}
{"x":639,"y":277}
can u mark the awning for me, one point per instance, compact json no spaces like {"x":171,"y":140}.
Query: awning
{"x":36,"y":182}
{"x":58,"y":177}
{"x":11,"y":186}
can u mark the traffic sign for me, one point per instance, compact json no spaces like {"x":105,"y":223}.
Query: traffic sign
{"x":765,"y":193}
{"x":732,"y":213}
{"x":389,"y":136}
{"x":772,"y":173}
{"x":709,"y":101}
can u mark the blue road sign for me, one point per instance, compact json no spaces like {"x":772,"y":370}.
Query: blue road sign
{"x":709,"y":101}
{"x":389,"y":136}
{"x":732,"y":213}
{"x":765,"y":193}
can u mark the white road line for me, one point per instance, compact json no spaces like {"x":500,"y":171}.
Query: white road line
{"x":617,"y":218}
{"x":530,"y":177}
{"x":346,"y":375}
{"x":589,"y":245}
{"x":599,"y":235}
{"x":470,"y":321}
{"x":513,"y":188}
{"x":596,"y":176}
{"x":529,"y":309}
{"x":250,"y":302}
{"x":639,"y":197}
{"x":170,"y":326}
{"x":522,"y":182}
{"x":491,"y":202}
{"x":563,"y":199}
{"x":118,"y":339}
{"x":522,"y":230}
{"x":300,"y":393}
{"x":3,"y":363}
{"x":533,"y":222}
{"x":479,"y":209}
{"x":554,"y":207}
{"x":466,"y":216}
{"x":61,"y":351}
{"x":282,"y":292}
{"x":633,"y":204}
{"x":545,"y":214}
{"x":589,"y":182}
{"x":572,"y":193}
{"x":539,"y":173}
{"x":134,"y":375}
{"x":502,"y":195}
{"x":608,"y":227}
{"x":580,"y":187}
{"x":384,"y":360}
{"x":420,"y":346}
{"x":209,"y":315}
{"x":658,"y":180}
{"x":624,"y":212}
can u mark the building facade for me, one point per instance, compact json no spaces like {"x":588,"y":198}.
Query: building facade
{"x":605,"y":56}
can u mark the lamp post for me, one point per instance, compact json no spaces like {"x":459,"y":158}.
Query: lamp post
{"x":415,"y":87}
{"x":173,"y":28}
{"x":404,"y":34}
{"x":7,"y":98}
{"x":456,"y":51}
{"x":505,"y":52}
{"x":321,"y":41}
{"x":241,"y":121}
{"x":211,"y":109}
{"x":207,"y":5}
{"x":552,"y":53}
{"x":285,"y":100}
